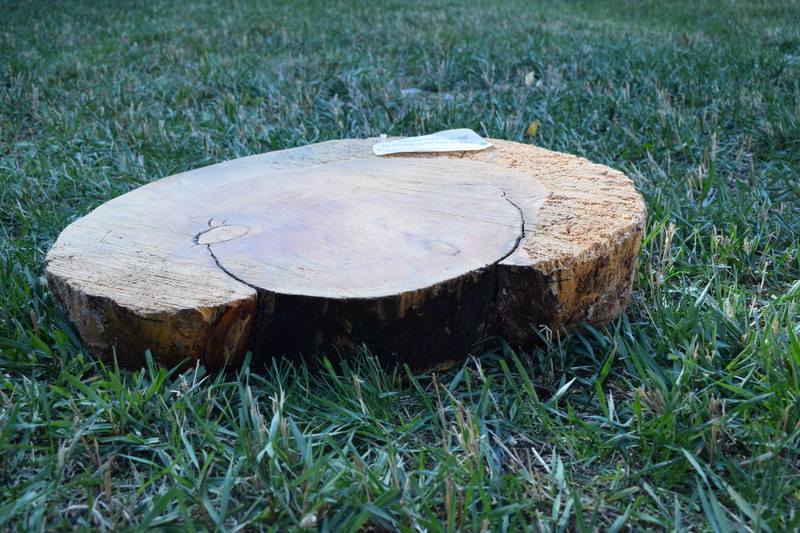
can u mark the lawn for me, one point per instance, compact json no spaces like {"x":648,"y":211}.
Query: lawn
{"x":682,"y":415}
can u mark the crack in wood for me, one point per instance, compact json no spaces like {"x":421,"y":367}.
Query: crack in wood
{"x":507,"y":267}
{"x":521,"y":235}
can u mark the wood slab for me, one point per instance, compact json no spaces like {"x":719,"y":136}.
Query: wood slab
{"x":327,"y":248}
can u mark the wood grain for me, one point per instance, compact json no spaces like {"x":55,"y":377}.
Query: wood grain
{"x":325,"y":248}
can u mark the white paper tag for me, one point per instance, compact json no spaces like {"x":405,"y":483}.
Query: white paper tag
{"x":459,"y":140}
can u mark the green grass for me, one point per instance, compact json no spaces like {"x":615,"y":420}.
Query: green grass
{"x":680,"y":416}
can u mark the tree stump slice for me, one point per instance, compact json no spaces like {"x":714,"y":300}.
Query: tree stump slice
{"x":326,"y":249}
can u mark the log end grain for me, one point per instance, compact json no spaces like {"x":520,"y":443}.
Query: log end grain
{"x":327,"y":249}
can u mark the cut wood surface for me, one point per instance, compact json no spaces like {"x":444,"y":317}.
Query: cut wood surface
{"x":327,"y":248}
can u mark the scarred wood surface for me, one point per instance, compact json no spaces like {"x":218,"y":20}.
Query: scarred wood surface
{"x":416,"y":256}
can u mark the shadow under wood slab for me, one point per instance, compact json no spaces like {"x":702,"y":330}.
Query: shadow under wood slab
{"x":326,"y":248}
